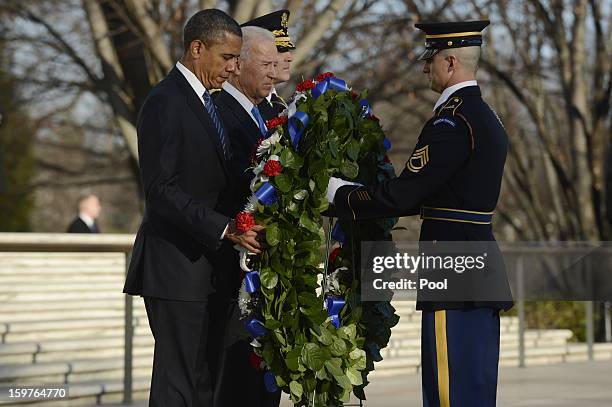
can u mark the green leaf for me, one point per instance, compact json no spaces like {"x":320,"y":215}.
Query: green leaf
{"x":338,"y":347}
{"x":272,"y":234}
{"x":308,"y":223}
{"x":326,"y":337}
{"x":349,"y":331}
{"x":357,"y":354}
{"x":292,"y":359}
{"x":296,"y":389}
{"x":352,"y":149}
{"x":354,"y":376}
{"x":313,"y":356}
{"x":349,"y":169}
{"x":334,"y":366}
{"x":344,"y":382}
{"x":269,"y":279}
{"x":283,"y":182}
{"x":333,"y":147}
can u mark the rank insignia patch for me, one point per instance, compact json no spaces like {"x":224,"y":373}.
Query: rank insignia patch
{"x":419,"y":159}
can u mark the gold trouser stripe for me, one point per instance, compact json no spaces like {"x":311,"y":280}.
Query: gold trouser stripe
{"x":442,"y":359}
{"x":454,"y":35}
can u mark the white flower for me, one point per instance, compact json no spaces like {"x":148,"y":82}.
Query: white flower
{"x":267,"y":144}
{"x":259,"y":168}
{"x":251,"y":204}
{"x":292,"y":108}
{"x":301,"y":195}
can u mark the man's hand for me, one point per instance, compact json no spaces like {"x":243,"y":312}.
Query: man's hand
{"x":248,"y":239}
{"x":333,"y":186}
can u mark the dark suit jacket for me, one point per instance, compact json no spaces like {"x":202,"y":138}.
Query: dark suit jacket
{"x":183,"y":170}
{"x":271,"y":109}
{"x":78,"y":226}
{"x":243,"y":134}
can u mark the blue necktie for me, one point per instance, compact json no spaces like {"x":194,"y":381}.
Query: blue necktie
{"x":212,"y":112}
{"x":260,"y":121}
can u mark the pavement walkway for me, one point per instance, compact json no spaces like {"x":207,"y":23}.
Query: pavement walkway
{"x":587,"y":384}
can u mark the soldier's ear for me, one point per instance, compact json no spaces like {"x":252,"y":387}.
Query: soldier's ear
{"x":452,"y":62}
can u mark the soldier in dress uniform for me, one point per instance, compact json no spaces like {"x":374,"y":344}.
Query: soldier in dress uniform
{"x":452,"y":179}
{"x":278,"y":23}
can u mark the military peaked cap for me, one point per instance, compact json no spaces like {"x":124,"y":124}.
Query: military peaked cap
{"x":278,"y":23}
{"x":439,"y":35}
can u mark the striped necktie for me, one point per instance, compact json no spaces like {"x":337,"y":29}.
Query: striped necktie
{"x":260,"y":121}
{"x":212,"y":112}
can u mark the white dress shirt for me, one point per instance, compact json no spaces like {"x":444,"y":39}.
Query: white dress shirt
{"x":269,"y":97}
{"x":193,"y":80}
{"x":88,"y":220}
{"x":240,"y":98}
{"x":452,"y":89}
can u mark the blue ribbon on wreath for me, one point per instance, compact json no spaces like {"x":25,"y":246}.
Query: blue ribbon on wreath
{"x":334,"y":305}
{"x":366,"y":110}
{"x":256,"y":328}
{"x":296,"y":125}
{"x":387,"y":144}
{"x":252,"y":281}
{"x":266,"y":194}
{"x":338,"y":234}
{"x":327,"y":84}
{"x":270,"y":381}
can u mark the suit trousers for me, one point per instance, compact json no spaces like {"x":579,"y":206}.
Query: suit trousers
{"x":186,"y":351}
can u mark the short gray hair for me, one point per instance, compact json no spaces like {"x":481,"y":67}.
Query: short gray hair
{"x":252,"y":35}
{"x":209,"y":26}
{"x":468,"y":56}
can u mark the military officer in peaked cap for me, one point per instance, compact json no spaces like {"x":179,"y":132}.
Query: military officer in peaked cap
{"x":276,"y":22}
{"x":452,"y":180}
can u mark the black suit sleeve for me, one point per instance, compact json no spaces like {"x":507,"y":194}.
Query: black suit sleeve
{"x":159,"y":146}
{"x":439,"y":154}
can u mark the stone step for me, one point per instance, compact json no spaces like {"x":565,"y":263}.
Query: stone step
{"x":34,"y":307}
{"x":12,"y":259}
{"x":97,"y":347}
{"x":34,"y":278}
{"x":89,"y":393}
{"x":62,"y":286}
{"x":67,"y":314}
{"x":62,"y":324}
{"x":61,"y":296}
{"x":112,"y":328}
{"x":77,"y":370}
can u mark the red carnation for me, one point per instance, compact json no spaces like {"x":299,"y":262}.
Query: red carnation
{"x":255,"y":361}
{"x":354,"y":95}
{"x":334,"y":255}
{"x":305,"y":85}
{"x":323,"y":76}
{"x":277,"y":121}
{"x":386,"y":159}
{"x":373,"y":117}
{"x":272,"y":168}
{"x":244,"y":222}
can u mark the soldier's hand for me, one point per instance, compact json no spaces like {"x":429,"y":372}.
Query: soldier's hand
{"x":333,"y":185}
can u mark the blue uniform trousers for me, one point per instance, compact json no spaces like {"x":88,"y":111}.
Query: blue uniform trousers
{"x":459,"y":357}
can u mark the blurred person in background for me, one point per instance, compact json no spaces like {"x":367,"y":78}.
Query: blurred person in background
{"x":89,"y":210}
